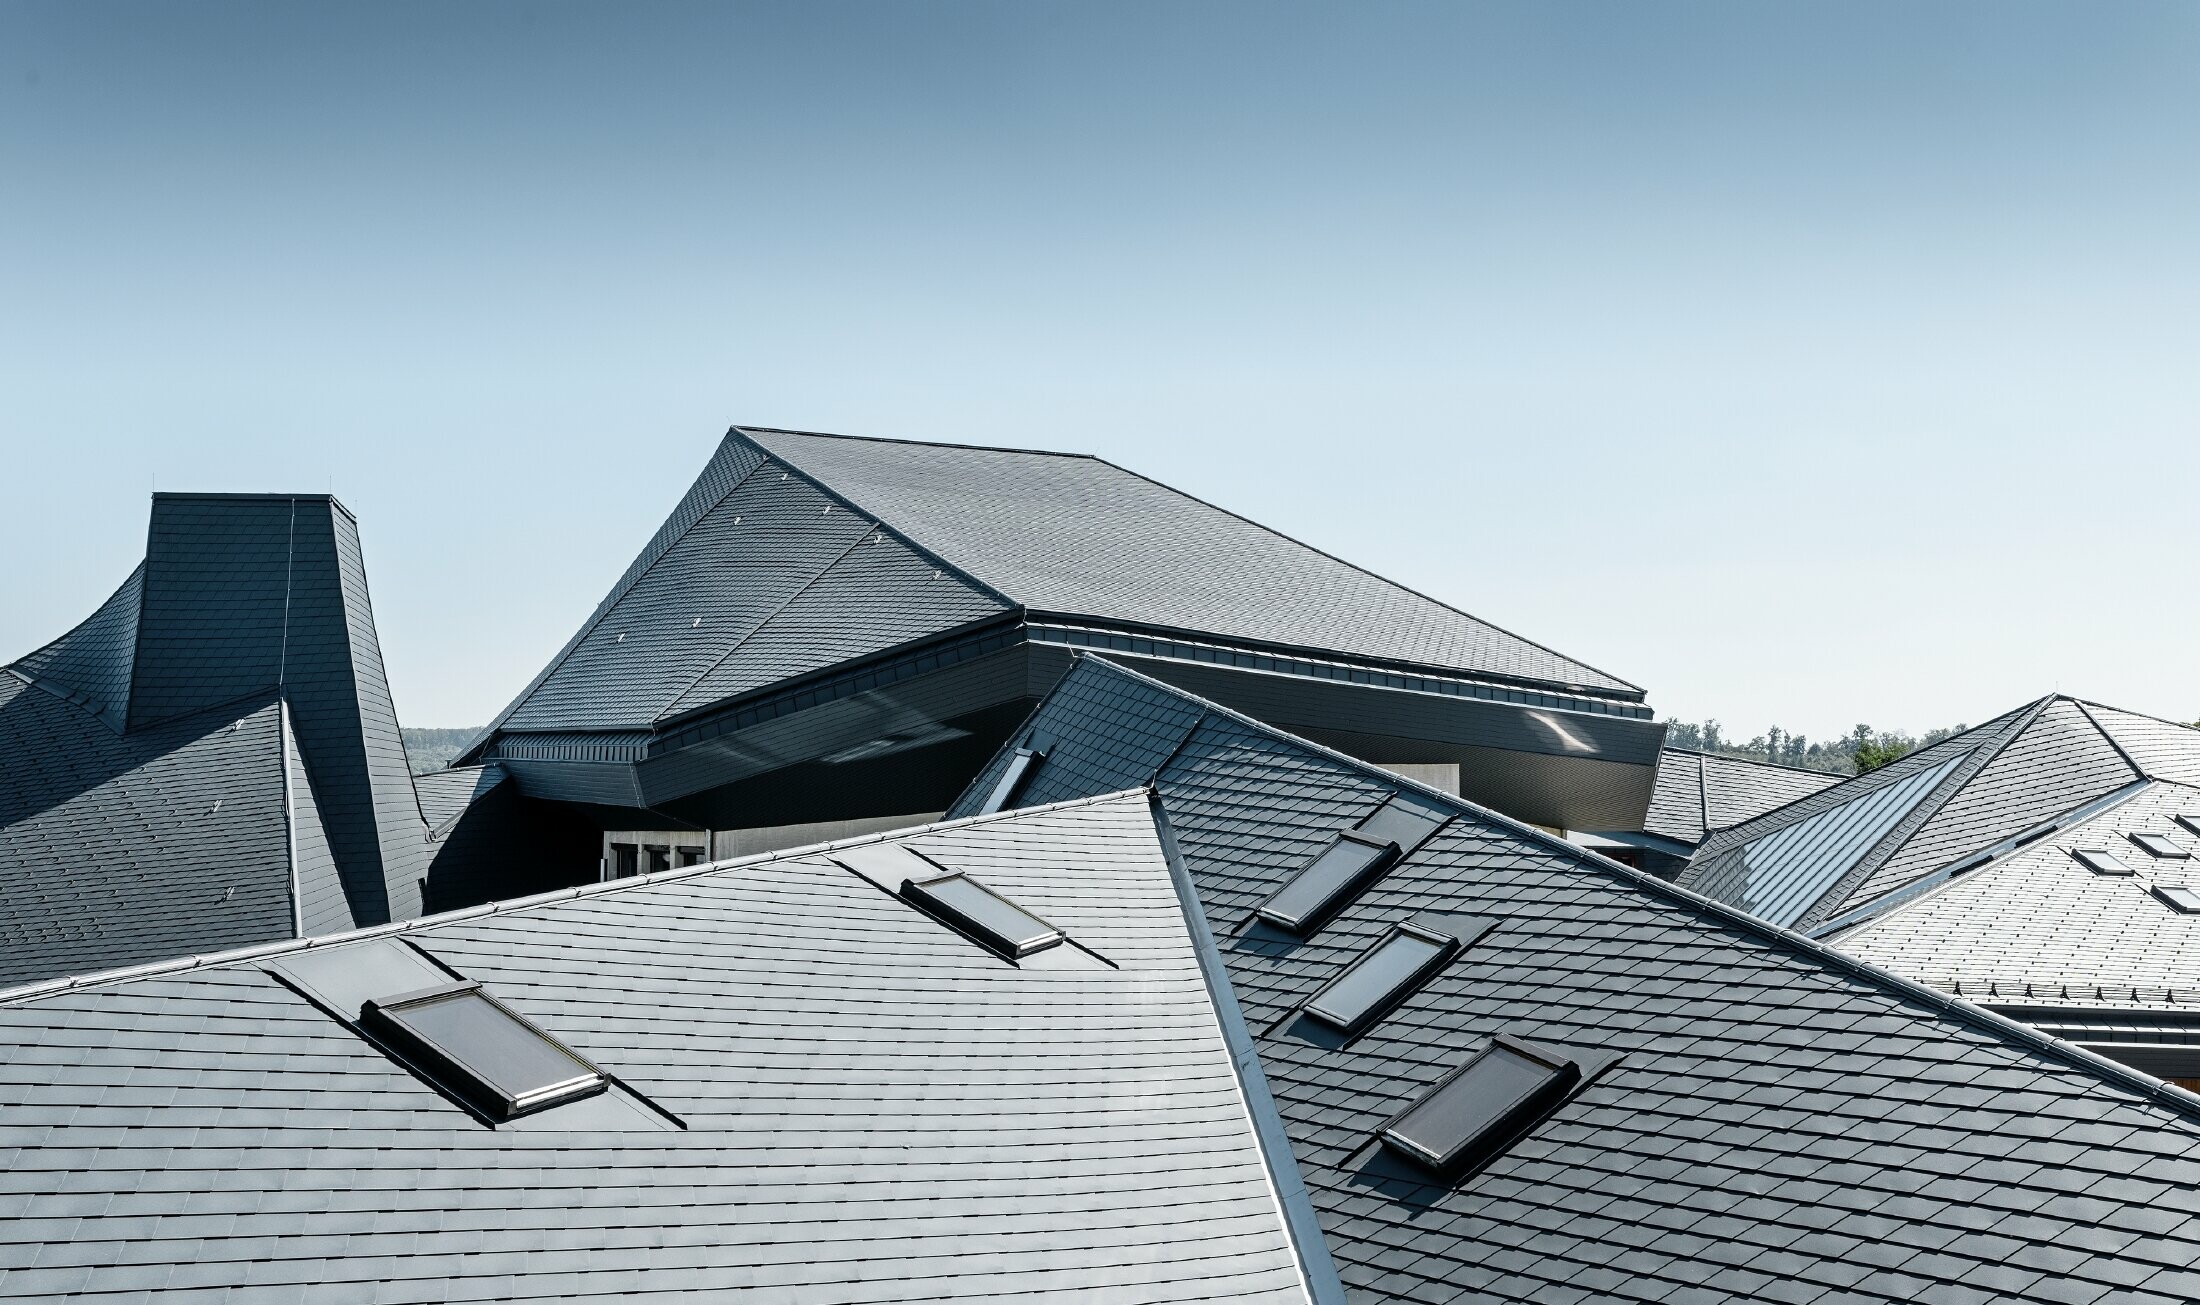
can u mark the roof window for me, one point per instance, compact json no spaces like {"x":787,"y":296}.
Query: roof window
{"x":1021,"y":766}
{"x":1479,"y":1107}
{"x":2160,"y":845}
{"x":1382,"y":977}
{"x":2190,"y":821}
{"x":482,"y":1050}
{"x":980,"y":914}
{"x":2178,"y":898}
{"x":1336,"y":874}
{"x":2100,"y":861}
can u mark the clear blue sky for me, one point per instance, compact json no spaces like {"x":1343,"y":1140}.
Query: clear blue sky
{"x":1803,"y":363}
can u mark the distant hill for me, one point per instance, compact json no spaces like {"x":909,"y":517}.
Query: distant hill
{"x":428,"y":750}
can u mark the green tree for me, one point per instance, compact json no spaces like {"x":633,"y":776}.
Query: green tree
{"x":1872,"y":753}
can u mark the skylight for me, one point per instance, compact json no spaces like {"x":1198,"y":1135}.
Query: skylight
{"x":1382,"y":976}
{"x":2178,"y":898}
{"x":1020,"y":769}
{"x":2190,"y":821}
{"x":981,"y":914}
{"x":1337,"y":873}
{"x":2100,"y":861}
{"x":1482,"y":1104}
{"x":482,"y":1050}
{"x":2160,"y":845}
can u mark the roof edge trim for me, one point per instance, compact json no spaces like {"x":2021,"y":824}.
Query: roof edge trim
{"x":1317,"y":1271}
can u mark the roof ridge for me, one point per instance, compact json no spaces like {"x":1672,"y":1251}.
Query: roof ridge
{"x":1929,"y":804}
{"x":620,"y":588}
{"x":2126,"y":711}
{"x":1732,"y":833}
{"x":878,"y":519}
{"x":508,"y":906}
{"x":2145,"y":1085}
{"x":930,"y":444}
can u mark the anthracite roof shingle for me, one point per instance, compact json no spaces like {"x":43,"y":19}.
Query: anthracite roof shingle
{"x":875,"y":1109}
{"x":1783,"y":1123}
{"x":1076,"y":535}
{"x":1699,"y":792}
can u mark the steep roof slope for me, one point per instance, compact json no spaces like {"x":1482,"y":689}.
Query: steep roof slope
{"x":795,"y":552}
{"x":1077,"y":536}
{"x":1782,"y":1123}
{"x":2037,"y":927}
{"x":211,"y":758}
{"x":1698,"y":792}
{"x":870,"y":1107}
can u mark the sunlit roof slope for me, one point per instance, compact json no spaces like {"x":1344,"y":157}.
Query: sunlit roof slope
{"x":794,"y":1085}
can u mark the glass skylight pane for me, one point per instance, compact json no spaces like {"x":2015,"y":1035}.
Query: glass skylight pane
{"x":2100,"y":861}
{"x":1012,"y":781}
{"x":2190,"y":821}
{"x":982,"y":914}
{"x":482,"y":1050}
{"x":2160,"y":845}
{"x":2178,"y":898}
{"x":1336,"y":873}
{"x":1498,"y":1091}
{"x":1375,"y":982}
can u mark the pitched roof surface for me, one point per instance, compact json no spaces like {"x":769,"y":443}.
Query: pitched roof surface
{"x":1783,"y":1123}
{"x":1877,"y":838}
{"x":1698,"y":792}
{"x":2038,"y":928}
{"x":1075,"y":535}
{"x":211,"y":758}
{"x":794,"y":552}
{"x":874,"y":1108}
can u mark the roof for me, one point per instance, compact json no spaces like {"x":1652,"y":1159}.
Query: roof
{"x":795,"y":552}
{"x":1075,"y":535}
{"x":211,"y":758}
{"x":1698,"y":792}
{"x":2035,"y":927}
{"x":1873,"y":840}
{"x":869,"y":1107}
{"x":1783,"y":1122}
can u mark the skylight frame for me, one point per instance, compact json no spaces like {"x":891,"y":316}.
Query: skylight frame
{"x":2102,"y":862}
{"x":2190,"y":820}
{"x":1428,"y":1144}
{"x":464,"y":1070}
{"x":1353,"y":1020}
{"x":1023,"y":764}
{"x":1281,"y":908}
{"x":2158,"y":845}
{"x":937,"y":897}
{"x":2178,"y":897}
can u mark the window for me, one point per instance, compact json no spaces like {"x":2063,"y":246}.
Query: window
{"x":2178,"y":898}
{"x":2160,"y":845}
{"x":979,"y":913}
{"x":691,"y":856}
{"x":2190,"y":822}
{"x":660,"y":858}
{"x":625,"y":862}
{"x":1020,"y":769}
{"x":482,"y":1051}
{"x":2100,"y":861}
{"x":1381,"y":977}
{"x":1337,"y":873}
{"x":1482,"y":1105}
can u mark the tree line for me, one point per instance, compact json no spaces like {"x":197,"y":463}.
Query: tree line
{"x":1861,"y":751}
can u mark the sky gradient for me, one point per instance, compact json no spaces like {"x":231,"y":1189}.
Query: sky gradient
{"x":1804,"y":364}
